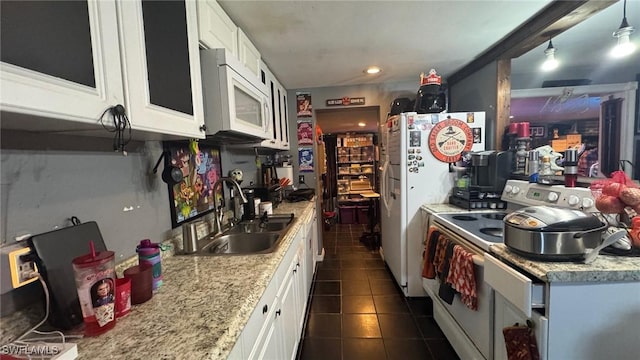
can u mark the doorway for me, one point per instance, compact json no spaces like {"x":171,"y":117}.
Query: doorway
{"x":335,"y":123}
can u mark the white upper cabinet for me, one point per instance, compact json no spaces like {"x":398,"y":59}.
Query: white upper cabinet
{"x":249,"y":55}
{"x":267,"y":78}
{"x":59,"y":60}
{"x":284,"y":118}
{"x":278,"y":124}
{"x":73,"y":60}
{"x":161,"y":65}
{"x":215,"y":27}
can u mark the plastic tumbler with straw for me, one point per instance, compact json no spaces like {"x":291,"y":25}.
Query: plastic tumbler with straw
{"x":95,"y":280}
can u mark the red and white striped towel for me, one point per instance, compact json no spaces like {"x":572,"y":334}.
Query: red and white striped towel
{"x":462,"y":277}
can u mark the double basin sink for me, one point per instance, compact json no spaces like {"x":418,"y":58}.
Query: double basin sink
{"x":248,"y":237}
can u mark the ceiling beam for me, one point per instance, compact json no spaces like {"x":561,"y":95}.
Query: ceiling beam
{"x":555,"y":18}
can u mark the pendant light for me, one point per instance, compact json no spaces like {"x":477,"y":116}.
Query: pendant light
{"x":624,"y":46}
{"x":550,"y":63}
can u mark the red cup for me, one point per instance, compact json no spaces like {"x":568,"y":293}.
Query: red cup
{"x":523,"y":129}
{"x":141,"y":282}
{"x":123,"y":297}
{"x":513,"y":128}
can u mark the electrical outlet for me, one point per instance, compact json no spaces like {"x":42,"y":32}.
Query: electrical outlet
{"x":21,"y":270}
{"x":301,"y":179}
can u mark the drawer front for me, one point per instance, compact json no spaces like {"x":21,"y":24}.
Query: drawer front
{"x":515,"y":287}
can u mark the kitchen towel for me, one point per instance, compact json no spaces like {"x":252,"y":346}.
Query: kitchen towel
{"x":441,"y":249}
{"x":446,"y":292}
{"x":428,"y":269}
{"x":462,"y":277}
{"x":520,"y":343}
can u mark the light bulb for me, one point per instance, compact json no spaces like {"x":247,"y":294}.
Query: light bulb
{"x":624,"y":46}
{"x":550,"y":63}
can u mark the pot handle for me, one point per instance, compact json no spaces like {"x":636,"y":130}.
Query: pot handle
{"x":580,"y":234}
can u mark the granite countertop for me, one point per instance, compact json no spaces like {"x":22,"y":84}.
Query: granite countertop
{"x":202,"y":307}
{"x":604,"y":268}
{"x":441,"y":208}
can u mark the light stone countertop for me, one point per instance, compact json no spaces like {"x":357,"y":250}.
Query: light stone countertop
{"x":441,"y":208}
{"x":604,"y":268}
{"x":202,"y":307}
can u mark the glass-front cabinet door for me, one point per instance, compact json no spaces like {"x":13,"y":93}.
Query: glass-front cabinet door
{"x":162,"y":66}
{"x":59,"y":59}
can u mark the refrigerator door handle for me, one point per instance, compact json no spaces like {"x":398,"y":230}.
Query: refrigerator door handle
{"x":384,"y":184}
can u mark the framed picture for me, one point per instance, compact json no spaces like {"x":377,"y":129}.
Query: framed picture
{"x":537,"y":131}
{"x":201,"y":168}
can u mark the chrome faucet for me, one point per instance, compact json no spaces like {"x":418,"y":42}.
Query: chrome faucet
{"x":219,"y":213}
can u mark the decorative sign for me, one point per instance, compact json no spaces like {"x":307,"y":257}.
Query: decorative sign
{"x":431,"y":79}
{"x":345,"y":101}
{"x":303,"y":100}
{"x":305,"y":133}
{"x":305,"y":159}
{"x":449,"y":138}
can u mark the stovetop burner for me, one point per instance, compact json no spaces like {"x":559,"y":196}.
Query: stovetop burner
{"x":481,"y":228}
{"x":492,"y":231}
{"x":464,"y":218}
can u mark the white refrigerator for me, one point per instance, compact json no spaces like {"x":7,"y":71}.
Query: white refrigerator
{"x":415,"y":171}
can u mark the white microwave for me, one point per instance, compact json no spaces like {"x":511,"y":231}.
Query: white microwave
{"x":236,"y":103}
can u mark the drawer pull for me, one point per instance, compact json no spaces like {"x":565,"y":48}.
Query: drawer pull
{"x":278,"y":312}
{"x":265,"y":309}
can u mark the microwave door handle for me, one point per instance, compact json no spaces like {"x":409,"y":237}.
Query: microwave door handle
{"x":265,"y":122}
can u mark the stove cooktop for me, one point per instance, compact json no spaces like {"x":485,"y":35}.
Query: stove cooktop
{"x":481,"y":228}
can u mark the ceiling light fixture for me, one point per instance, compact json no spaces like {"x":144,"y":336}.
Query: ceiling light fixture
{"x":361,"y":124}
{"x":624,"y":46}
{"x":550,"y":63}
{"x":372,"y":70}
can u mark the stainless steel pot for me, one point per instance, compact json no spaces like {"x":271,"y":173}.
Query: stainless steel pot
{"x":548,"y":233}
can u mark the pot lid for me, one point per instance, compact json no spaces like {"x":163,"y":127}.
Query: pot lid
{"x":552,"y":219}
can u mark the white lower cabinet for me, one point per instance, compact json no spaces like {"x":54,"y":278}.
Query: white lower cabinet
{"x":236,"y":352}
{"x":274,"y":328}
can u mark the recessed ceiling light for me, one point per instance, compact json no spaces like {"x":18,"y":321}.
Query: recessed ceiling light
{"x":361,"y":124}
{"x":372,"y":70}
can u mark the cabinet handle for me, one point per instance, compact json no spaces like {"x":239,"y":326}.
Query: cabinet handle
{"x":295,"y":271}
{"x":278,"y":312}
{"x":265,"y":309}
{"x":298,"y":265}
{"x":203,"y":127}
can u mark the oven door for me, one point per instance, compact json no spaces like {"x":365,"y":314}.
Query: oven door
{"x":469,"y":332}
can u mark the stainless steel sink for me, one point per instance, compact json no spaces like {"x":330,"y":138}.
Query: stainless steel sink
{"x":248,"y":237}
{"x":243,"y":243}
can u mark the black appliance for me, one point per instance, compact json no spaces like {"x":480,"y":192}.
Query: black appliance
{"x":490,"y":170}
{"x":54,"y":252}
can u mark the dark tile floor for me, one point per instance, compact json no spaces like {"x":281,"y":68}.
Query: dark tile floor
{"x":358,"y":312}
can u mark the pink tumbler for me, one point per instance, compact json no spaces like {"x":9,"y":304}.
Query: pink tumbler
{"x":96,"y":282}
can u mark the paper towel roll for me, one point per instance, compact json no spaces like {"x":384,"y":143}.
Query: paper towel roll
{"x":285,"y":172}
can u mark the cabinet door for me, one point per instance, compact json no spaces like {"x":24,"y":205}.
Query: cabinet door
{"x":60,"y":59}
{"x":267,"y":78}
{"x":289,"y":319}
{"x":272,"y":348}
{"x":215,"y":28}
{"x":249,"y":54}
{"x":284,"y":118}
{"x":162,"y":66}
